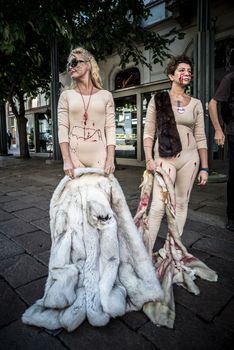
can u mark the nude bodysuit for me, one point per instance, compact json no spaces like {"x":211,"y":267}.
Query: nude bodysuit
{"x":88,"y":140}
{"x":183,"y":168}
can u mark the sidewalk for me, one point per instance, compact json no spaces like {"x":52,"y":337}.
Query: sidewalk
{"x":202,"y":322}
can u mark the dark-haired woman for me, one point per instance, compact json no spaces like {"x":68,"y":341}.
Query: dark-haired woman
{"x":180,"y":149}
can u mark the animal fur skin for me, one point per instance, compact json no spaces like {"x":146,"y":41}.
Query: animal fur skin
{"x":99,"y":267}
{"x":173,"y":263}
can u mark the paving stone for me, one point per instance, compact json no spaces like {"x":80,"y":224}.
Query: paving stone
{"x":189,"y":237}
{"x":11,"y":307}
{"x":115,"y":336}
{"x":134,"y":320}
{"x":43,"y":224}
{"x":34,"y":242}
{"x":18,"y":336}
{"x":31,"y":188}
{"x":31,"y":214}
{"x":5,"y":216}
{"x":217,"y":247}
{"x":5,"y":198}
{"x":16,"y":227}
{"x":208,"y":303}
{"x":32,"y":291}
{"x":44,"y":205}
{"x":5,"y":189}
{"x":9,"y":248}
{"x":15,"y":205}
{"x":189,"y":333}
{"x":18,"y":193}
{"x":196,"y":226}
{"x":43,"y":257}
{"x":30,"y":198}
{"x":225,"y":270}
{"x":218,"y":232}
{"x":21,"y":269}
{"x":213,"y":209}
{"x":226,"y":318}
{"x":206,"y":218}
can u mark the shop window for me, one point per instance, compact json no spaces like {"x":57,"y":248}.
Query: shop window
{"x":44,"y":132}
{"x":126,"y":127}
{"x":126,"y":78}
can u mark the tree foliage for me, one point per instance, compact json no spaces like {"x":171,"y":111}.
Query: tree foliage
{"x":101,"y":26}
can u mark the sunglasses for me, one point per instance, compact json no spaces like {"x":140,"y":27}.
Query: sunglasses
{"x":74,"y":62}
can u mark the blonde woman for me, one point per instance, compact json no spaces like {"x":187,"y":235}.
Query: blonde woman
{"x":86,"y":117}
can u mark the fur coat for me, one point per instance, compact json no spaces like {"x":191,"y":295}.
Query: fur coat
{"x":173,"y":263}
{"x":98,"y":267}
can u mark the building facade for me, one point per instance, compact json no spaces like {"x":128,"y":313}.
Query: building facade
{"x":133,"y":87}
{"x":208,"y":29}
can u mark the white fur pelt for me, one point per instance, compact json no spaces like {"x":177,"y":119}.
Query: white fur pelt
{"x":99,"y":267}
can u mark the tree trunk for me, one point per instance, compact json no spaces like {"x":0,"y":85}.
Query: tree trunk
{"x":19,"y":112}
{"x":23,"y":141}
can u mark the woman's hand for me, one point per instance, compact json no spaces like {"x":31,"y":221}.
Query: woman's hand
{"x":202,"y":177}
{"x":68,"y":168}
{"x":150,"y":165}
{"x":109,"y":167}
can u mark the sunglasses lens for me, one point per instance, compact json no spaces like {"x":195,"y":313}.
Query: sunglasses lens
{"x":73,"y":63}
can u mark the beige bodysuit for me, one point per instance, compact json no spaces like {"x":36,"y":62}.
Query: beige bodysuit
{"x":88,"y":140}
{"x":183,"y":168}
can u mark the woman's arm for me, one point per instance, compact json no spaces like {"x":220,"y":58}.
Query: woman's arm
{"x":200,"y":137}
{"x":148,"y":149}
{"x":110,"y":160}
{"x":68,"y":166}
{"x":109,"y":167}
{"x":63,"y":134}
{"x":148,"y":137}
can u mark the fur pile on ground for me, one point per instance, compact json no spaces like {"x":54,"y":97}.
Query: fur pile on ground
{"x":99,"y":267}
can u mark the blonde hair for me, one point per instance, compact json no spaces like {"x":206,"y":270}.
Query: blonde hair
{"x":94,"y":72}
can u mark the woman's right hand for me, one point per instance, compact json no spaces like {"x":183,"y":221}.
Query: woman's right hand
{"x":150,"y":165}
{"x":68,"y":168}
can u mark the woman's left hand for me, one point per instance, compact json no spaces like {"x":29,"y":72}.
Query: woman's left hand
{"x":109,"y":166}
{"x":202,"y":177}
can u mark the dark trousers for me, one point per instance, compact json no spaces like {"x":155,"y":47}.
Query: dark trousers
{"x":230,"y":182}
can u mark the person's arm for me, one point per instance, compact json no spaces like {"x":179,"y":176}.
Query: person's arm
{"x":109,"y":167}
{"x":200,"y":137}
{"x":148,"y":149}
{"x":204,"y":171}
{"x":148,"y":137}
{"x":68,"y":166}
{"x":63,"y":134}
{"x":213,"y":111}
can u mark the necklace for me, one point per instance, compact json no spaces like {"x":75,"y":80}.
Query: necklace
{"x":180,"y":108}
{"x":85,"y":107}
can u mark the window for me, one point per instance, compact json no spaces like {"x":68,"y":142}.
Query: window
{"x":126,"y":127}
{"x":126,"y":78}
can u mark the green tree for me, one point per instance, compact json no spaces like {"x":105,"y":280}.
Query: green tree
{"x":101,"y":26}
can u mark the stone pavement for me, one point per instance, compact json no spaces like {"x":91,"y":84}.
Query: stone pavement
{"x":202,"y":322}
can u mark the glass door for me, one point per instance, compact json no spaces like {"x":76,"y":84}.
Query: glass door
{"x":126,"y":126}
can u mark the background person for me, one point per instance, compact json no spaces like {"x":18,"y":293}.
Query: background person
{"x":9,"y":139}
{"x":178,"y":121}
{"x":224,"y":95}
{"x":86,"y":117}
